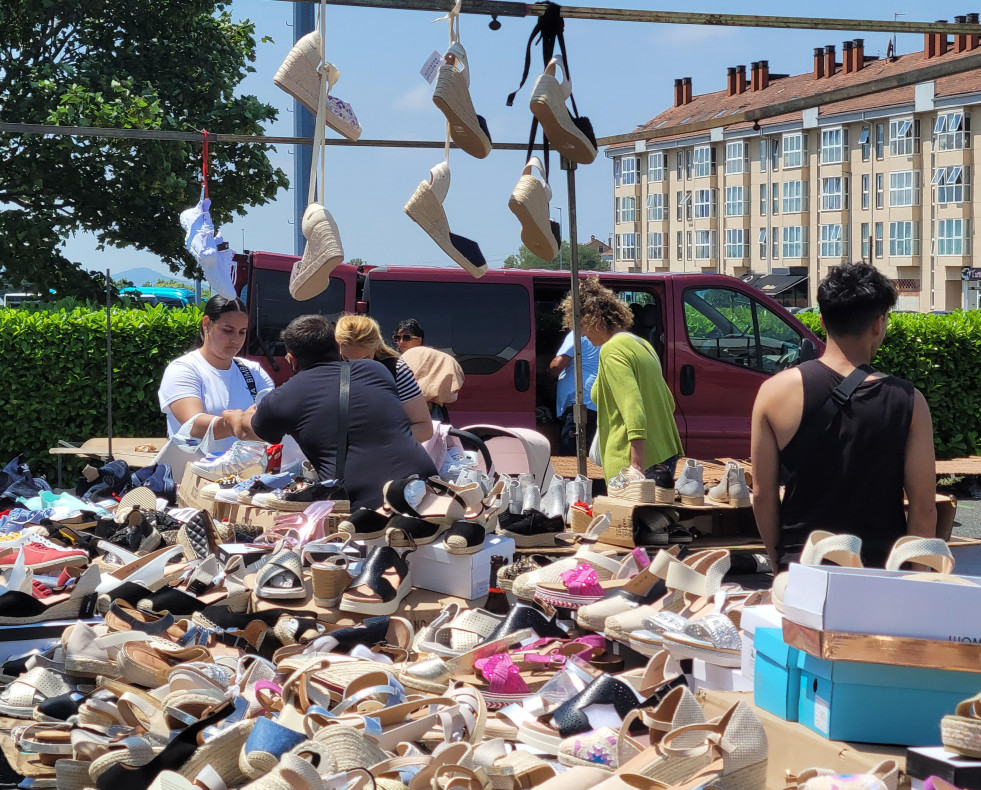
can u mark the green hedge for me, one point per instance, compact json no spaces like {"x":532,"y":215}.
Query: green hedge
{"x":941,"y":355}
{"x":54,"y":365}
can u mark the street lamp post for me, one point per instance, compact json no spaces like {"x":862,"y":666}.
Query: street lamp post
{"x":559,"y":209}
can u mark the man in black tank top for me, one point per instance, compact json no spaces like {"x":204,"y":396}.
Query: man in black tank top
{"x":844,"y":471}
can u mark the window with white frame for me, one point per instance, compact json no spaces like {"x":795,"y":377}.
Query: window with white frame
{"x":793,"y":150}
{"x":904,"y":239}
{"x":655,"y":166}
{"x":680,"y":157}
{"x":736,"y":243}
{"x":680,"y":251}
{"x":626,"y":246}
{"x":865,"y":143}
{"x":794,"y":197}
{"x":762,"y":242}
{"x":865,"y":191}
{"x":628,"y":170}
{"x":617,"y":167}
{"x":904,"y":188}
{"x":655,"y":207}
{"x":736,"y":157}
{"x":904,"y":136}
{"x":775,"y":243}
{"x":834,"y":145}
{"x":795,"y":241}
{"x":834,"y":193}
{"x":878,"y":239}
{"x":880,"y":138}
{"x":763,"y":200}
{"x":655,"y":246}
{"x":951,"y":131}
{"x":879,"y":190}
{"x":951,"y":236}
{"x":834,"y":241}
{"x":704,"y":203}
{"x":704,"y":245}
{"x":704,"y":159}
{"x":764,"y":154}
{"x":626,"y":209}
{"x":688,"y":244}
{"x":950,"y":183}
{"x":865,"y":241}
{"x":735,"y":205}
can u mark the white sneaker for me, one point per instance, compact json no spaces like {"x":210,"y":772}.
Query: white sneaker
{"x":242,"y":459}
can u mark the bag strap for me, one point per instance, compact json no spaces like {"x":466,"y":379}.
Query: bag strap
{"x":839,"y":396}
{"x":249,"y":378}
{"x":342,"y":420}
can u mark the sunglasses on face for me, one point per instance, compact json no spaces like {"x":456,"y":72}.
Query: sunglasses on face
{"x":403,"y":338}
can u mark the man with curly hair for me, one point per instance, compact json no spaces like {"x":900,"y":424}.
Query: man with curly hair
{"x":845,"y":461}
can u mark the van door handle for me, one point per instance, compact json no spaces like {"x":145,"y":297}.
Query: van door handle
{"x":522,"y":375}
{"x":687,"y":379}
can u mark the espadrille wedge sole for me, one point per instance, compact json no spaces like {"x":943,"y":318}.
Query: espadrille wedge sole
{"x":323,"y":254}
{"x":548,"y":105}
{"x":452,"y":96}
{"x":425,"y":208}
{"x":529,"y":203}
{"x":299,"y":74}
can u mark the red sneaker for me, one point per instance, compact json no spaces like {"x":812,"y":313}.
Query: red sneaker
{"x":40,"y":556}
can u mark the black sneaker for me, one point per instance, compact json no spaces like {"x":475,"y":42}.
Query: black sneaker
{"x":299,"y":496}
{"x":532,"y":529}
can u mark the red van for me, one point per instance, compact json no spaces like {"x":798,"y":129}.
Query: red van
{"x":717,"y":337}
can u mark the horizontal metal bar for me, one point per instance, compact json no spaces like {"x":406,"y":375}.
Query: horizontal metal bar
{"x":252,"y":139}
{"x":513,"y":9}
{"x":943,"y":68}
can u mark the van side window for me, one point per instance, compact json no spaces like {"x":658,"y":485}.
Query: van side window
{"x":273,"y":308}
{"x":483,"y":325}
{"x":731,"y":327}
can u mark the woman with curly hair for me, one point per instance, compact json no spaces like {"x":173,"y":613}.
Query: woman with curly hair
{"x":635,"y":408}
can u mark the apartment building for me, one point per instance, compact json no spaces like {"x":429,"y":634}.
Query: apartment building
{"x":884,"y":178}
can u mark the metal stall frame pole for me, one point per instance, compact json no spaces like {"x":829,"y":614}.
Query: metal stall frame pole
{"x":108,"y":365}
{"x":579,"y":407}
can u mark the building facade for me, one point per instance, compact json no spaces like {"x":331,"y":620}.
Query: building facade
{"x":885,"y":178}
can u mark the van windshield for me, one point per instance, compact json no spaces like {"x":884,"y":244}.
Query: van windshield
{"x":273,"y":308}
{"x":483,"y":325}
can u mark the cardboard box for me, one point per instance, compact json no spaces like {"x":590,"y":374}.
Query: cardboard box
{"x":926,"y":761}
{"x":189,"y":491}
{"x":877,"y":703}
{"x":258,"y":518}
{"x":712,"y":677}
{"x":886,"y":603}
{"x":463,"y":575}
{"x":794,"y":748}
{"x":754,"y":617}
{"x":776,"y":680}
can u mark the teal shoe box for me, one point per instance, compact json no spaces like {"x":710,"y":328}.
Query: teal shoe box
{"x":776,"y":676}
{"x":878,"y":703}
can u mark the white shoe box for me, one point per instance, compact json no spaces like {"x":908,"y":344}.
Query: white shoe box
{"x":715,"y":678}
{"x":754,"y":617}
{"x":461,"y":575}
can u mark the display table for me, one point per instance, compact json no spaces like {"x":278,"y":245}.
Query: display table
{"x":794,"y":748}
{"x":123,"y":449}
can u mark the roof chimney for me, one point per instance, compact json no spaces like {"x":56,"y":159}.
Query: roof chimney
{"x":960,"y":39}
{"x":679,"y":93}
{"x":818,"y":62}
{"x":740,"y":80}
{"x":858,"y":54}
{"x":972,"y":38}
{"x":846,"y":57}
{"x":731,"y":81}
{"x":686,"y":87}
{"x":929,"y":46}
{"x":943,"y":44}
{"x":829,"y":60}
{"x":764,"y":78}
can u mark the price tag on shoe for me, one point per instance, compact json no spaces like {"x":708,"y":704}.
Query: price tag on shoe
{"x":431,"y":67}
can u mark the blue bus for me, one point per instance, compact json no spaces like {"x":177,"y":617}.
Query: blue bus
{"x":172,"y":297}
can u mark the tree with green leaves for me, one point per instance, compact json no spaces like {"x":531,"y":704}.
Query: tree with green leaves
{"x":133,"y":64}
{"x":589,"y":259}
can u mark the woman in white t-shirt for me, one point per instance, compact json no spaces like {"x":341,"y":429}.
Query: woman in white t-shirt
{"x":210,"y":379}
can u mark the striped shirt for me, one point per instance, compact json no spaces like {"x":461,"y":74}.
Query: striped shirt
{"x":405,"y":381}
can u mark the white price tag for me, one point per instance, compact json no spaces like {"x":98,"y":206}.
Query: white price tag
{"x":430,"y":67}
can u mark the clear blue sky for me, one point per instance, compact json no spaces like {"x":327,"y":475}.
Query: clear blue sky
{"x":623,"y":74}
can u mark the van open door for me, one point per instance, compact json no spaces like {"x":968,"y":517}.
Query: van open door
{"x":266,"y":292}
{"x":487,"y":324}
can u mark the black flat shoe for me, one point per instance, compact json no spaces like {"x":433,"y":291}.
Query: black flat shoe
{"x":521,"y":617}
{"x":364,"y":524}
{"x":464,"y":537}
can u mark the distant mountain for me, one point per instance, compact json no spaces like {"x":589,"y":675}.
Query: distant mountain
{"x":144,"y":274}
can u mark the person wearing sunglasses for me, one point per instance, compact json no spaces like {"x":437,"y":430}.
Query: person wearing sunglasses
{"x":408,"y":335}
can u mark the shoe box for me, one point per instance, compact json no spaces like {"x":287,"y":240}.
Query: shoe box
{"x":885,"y":603}
{"x":923,"y":762}
{"x":246,"y":515}
{"x":776,"y":675}
{"x":711,"y":677}
{"x":754,"y":617}
{"x":463,"y":575}
{"x":189,"y":491}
